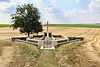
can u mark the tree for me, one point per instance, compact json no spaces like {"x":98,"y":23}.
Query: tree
{"x":27,"y":19}
{"x":38,"y":28}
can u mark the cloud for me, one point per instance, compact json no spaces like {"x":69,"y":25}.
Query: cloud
{"x":56,"y":11}
{"x":95,"y":5}
{"x":49,"y":15}
{"x":79,"y":1}
{"x":5,"y":18}
{"x":4,"y":6}
{"x":18,"y":2}
{"x":73,"y":12}
{"x":6,"y":9}
{"x":37,"y":1}
{"x":88,"y":17}
{"x":4,"y":0}
{"x":82,"y":16}
{"x":53,"y":17}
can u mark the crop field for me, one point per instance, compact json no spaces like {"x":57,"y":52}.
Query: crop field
{"x":75,"y":54}
{"x":4,"y":25}
{"x":76,"y":25}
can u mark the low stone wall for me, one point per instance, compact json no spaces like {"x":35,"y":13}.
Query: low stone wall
{"x":63,"y":41}
{"x":18,"y":40}
{"x":47,"y":43}
{"x":19,"y":37}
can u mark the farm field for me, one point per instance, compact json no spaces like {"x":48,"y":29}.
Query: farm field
{"x":75,"y":54}
{"x":4,"y":25}
{"x":76,"y":25}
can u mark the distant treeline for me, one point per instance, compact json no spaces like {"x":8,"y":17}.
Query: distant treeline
{"x":4,"y":25}
{"x":76,"y":25}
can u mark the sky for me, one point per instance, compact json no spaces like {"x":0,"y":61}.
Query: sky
{"x":56,"y":11}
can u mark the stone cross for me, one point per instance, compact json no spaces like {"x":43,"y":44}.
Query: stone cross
{"x":47,"y":30}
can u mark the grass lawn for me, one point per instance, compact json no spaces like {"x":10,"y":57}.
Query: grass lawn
{"x":4,"y":25}
{"x":76,"y":25}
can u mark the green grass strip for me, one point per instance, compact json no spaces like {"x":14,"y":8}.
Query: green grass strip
{"x":4,"y":25}
{"x":76,"y":25}
{"x":47,"y":59}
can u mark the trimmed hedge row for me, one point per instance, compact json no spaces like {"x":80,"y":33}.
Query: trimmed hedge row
{"x":76,"y":38}
{"x":21,"y":38}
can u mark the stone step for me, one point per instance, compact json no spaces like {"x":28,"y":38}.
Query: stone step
{"x":47,"y":47}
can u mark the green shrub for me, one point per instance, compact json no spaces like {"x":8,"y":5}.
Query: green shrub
{"x":75,"y":38}
{"x":21,"y":38}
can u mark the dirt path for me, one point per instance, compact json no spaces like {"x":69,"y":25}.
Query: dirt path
{"x":7,"y":56}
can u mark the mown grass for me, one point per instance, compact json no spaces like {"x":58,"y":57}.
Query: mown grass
{"x":47,"y":59}
{"x":4,"y":25}
{"x":76,"y":25}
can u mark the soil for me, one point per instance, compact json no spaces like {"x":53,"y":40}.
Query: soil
{"x":6,"y":56}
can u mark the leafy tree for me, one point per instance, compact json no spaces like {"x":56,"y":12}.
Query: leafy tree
{"x":38,"y":28}
{"x":27,"y":19}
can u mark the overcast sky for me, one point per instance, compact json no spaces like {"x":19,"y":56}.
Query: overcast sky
{"x":56,"y":11}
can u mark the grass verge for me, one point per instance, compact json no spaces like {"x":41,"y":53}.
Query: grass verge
{"x":26,"y":55}
{"x":47,"y":59}
{"x":68,"y":55}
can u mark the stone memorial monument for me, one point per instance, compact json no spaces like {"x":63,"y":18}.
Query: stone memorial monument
{"x":48,"y":41}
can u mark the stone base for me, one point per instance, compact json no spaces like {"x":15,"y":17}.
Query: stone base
{"x":51,"y":47}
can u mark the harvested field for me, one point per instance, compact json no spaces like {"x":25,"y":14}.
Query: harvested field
{"x":89,"y":51}
{"x":7,"y":32}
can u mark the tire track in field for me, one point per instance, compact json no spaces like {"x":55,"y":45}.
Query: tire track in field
{"x":96,"y":44}
{"x":61,"y":30}
{"x":91,"y":49}
{"x":54,"y":29}
{"x":90,"y":34}
{"x":80,"y":34}
{"x":73,"y":31}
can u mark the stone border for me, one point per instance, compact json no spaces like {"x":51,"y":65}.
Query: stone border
{"x":40,"y":43}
